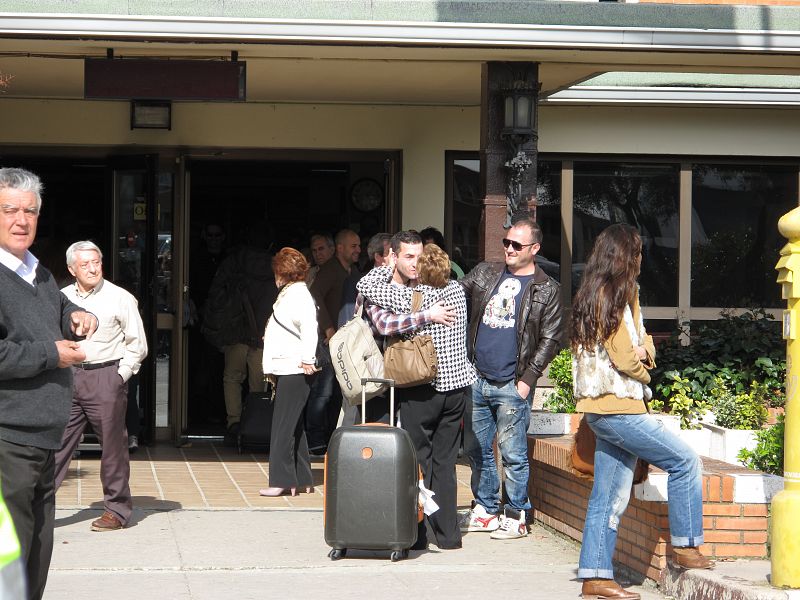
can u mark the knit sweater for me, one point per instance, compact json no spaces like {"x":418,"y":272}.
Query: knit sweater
{"x":454,"y":369}
{"x":35,"y":395}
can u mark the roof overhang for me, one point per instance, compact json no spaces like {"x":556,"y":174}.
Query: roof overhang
{"x":687,"y":96}
{"x":409,"y":33}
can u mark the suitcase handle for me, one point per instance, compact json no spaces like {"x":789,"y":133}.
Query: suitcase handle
{"x":390,"y":383}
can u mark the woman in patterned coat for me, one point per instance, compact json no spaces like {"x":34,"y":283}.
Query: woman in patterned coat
{"x":432,"y":413}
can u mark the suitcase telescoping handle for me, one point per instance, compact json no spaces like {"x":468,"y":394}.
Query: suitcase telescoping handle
{"x":390,"y":383}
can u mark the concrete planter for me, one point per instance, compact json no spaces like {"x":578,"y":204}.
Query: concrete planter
{"x":712,"y":440}
{"x":726,"y":443}
{"x":547,"y":423}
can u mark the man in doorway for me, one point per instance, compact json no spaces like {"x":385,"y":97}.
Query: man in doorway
{"x":514,"y":332}
{"x":378,"y":249}
{"x":100,"y":383}
{"x":333,"y":284}
{"x":322,"y":250}
{"x":206,"y":399}
{"x":36,"y":320}
{"x":246,"y":277}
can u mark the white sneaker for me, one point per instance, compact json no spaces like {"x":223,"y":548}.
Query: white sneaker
{"x":133,"y":443}
{"x":479,"y":520}
{"x":512,"y":525}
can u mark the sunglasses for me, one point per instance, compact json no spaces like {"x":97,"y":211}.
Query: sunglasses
{"x":515,"y":245}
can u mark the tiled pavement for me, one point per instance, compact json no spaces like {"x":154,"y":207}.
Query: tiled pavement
{"x":200,"y":475}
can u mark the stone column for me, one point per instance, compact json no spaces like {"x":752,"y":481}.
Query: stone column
{"x":496,"y":152}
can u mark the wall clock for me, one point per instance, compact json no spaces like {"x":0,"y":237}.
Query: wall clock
{"x":366,"y":194}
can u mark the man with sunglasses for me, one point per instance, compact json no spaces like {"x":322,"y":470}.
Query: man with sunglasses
{"x":514,"y":332}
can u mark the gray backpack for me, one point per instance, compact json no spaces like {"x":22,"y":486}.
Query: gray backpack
{"x":356,"y":356}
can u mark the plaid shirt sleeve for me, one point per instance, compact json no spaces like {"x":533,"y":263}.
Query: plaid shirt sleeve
{"x":385,"y":322}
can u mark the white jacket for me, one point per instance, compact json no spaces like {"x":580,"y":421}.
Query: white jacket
{"x":283,"y":351}
{"x":595,"y":374}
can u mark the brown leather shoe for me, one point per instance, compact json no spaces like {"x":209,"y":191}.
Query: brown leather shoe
{"x":690,"y":558}
{"x":606,"y":588}
{"x":107,"y":522}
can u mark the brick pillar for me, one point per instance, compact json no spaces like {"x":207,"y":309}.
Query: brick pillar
{"x":495,"y":151}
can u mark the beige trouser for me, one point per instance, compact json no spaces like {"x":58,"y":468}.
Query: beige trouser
{"x":241,"y":361}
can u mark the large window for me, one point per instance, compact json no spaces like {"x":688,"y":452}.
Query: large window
{"x":642,"y":195}
{"x":464,"y":208}
{"x":735,"y":239}
{"x":724,"y":258}
{"x":548,"y":215}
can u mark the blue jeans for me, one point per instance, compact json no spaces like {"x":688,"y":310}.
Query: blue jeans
{"x":620,"y":439}
{"x":497,"y":408}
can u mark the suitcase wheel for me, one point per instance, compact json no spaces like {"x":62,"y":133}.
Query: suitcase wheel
{"x":338,"y":553}
{"x":399,"y":555}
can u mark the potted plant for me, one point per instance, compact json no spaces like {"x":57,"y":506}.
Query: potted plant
{"x":557,"y":416}
{"x":738,"y":417}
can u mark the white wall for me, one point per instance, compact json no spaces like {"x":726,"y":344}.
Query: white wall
{"x":422,"y":133}
{"x":670,"y":130}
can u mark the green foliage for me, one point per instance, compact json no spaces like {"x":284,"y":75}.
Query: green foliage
{"x":739,"y":410}
{"x":767,"y":456}
{"x":732,"y":352}
{"x":561,"y":399}
{"x":681,"y":394}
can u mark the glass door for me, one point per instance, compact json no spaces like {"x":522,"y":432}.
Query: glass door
{"x":142,"y":264}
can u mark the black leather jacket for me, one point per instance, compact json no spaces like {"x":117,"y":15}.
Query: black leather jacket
{"x":538,"y":328}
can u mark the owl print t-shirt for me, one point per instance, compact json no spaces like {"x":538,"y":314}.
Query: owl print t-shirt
{"x":496,"y":346}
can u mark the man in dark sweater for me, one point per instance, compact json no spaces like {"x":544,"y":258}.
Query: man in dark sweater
{"x":35,"y":381}
{"x":333,"y":285}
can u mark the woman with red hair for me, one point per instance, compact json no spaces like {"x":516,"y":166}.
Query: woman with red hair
{"x":290,"y":343}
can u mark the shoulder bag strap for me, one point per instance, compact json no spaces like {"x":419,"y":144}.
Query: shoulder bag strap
{"x":292,"y":331}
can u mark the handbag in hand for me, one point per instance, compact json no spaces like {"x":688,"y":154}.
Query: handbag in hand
{"x":583,"y":455}
{"x":411,"y":362}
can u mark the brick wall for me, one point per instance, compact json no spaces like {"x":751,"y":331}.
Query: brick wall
{"x":560,"y":495}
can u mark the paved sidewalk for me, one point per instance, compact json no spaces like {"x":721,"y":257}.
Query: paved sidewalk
{"x":280,"y":553}
{"x":201,"y":531}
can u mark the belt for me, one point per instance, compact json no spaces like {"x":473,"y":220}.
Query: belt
{"x":91,"y":366}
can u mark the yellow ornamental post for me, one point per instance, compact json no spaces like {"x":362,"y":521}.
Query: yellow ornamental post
{"x":785,"y":532}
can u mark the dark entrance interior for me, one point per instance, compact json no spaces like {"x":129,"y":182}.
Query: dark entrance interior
{"x":290,"y":200}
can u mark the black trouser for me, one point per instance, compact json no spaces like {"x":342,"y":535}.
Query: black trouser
{"x":318,"y":409}
{"x":28,"y":482}
{"x":433,"y":420}
{"x":289,"y":462}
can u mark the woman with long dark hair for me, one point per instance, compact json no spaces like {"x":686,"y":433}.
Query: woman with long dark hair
{"x":612,"y":354}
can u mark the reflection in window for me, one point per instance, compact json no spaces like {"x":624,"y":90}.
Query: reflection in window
{"x":643,"y":195}
{"x":735,"y":240}
{"x":467,"y":203}
{"x":548,"y":215}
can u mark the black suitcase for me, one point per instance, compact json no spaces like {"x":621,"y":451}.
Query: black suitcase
{"x":371,"y":488}
{"x":255,"y":424}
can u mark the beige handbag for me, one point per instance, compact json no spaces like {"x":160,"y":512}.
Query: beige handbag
{"x":410,"y":362}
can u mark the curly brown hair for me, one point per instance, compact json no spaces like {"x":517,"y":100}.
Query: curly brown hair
{"x":290,"y":265}
{"x":608,"y":285}
{"x":433,"y":266}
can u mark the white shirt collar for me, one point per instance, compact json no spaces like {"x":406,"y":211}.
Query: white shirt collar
{"x":24,"y":268}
